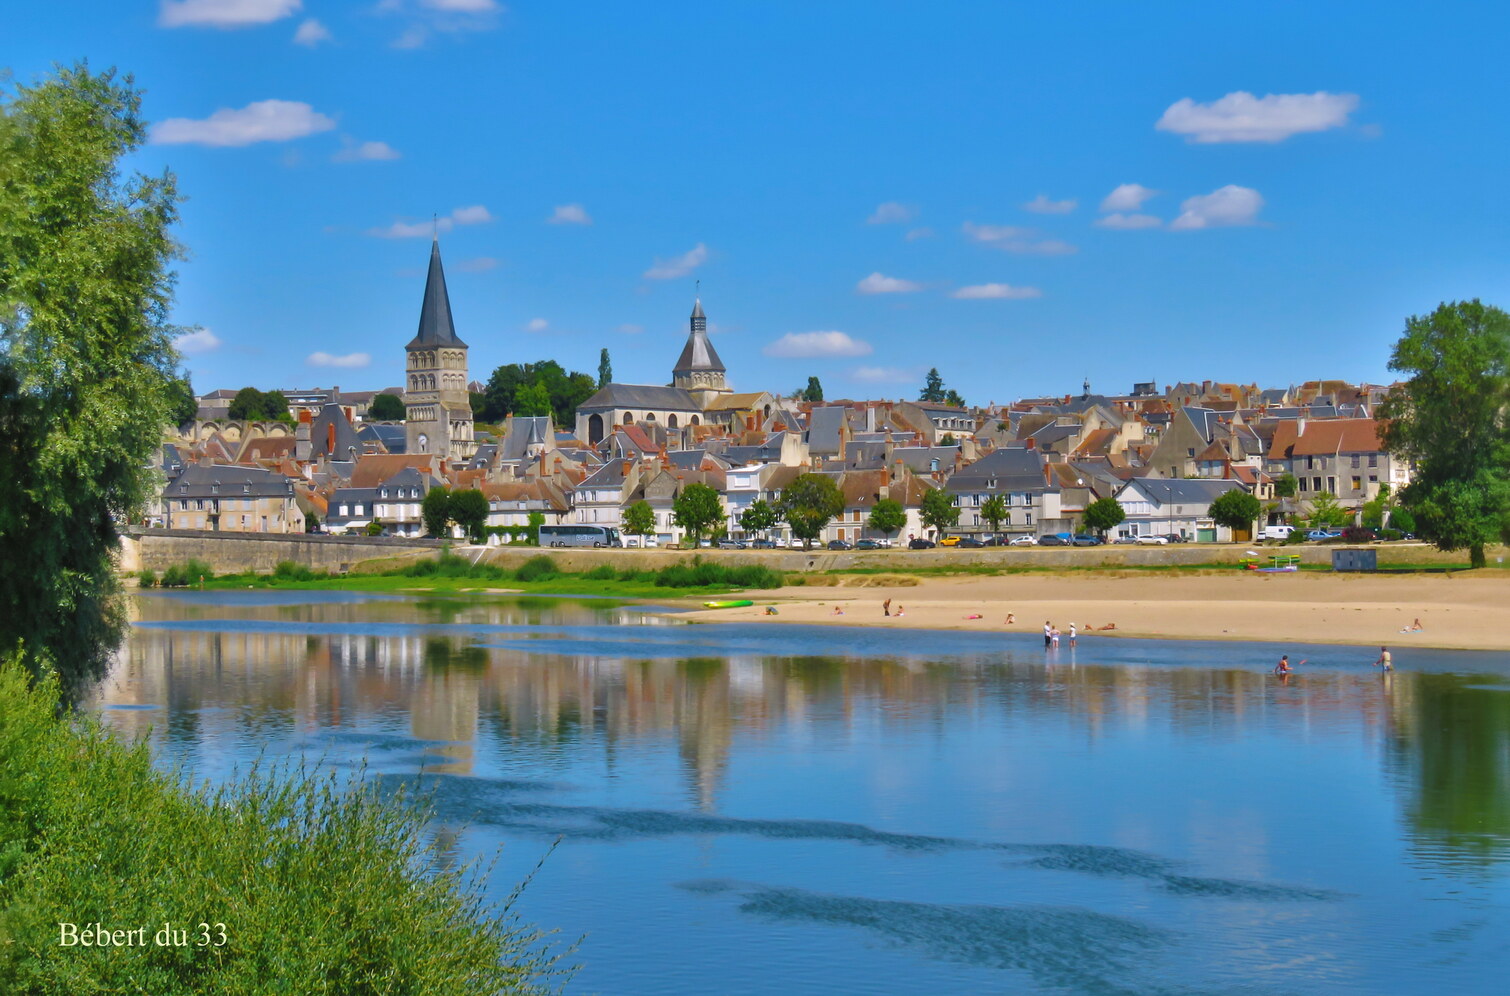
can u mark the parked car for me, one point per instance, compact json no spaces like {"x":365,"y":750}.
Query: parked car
{"x":839,"y":545}
{"x":1024,"y":541}
{"x":920,"y":544}
{"x":1053,"y":539}
{"x":763,"y":544}
{"x":1086,"y":539}
{"x":1322,"y":535}
{"x":731,"y":544}
{"x":867,"y":544}
{"x":1152,"y":540}
{"x":1176,"y":538}
{"x":796,"y":544}
{"x":970,"y":542}
{"x":1275,"y":532}
{"x":1126,"y":539}
{"x":646,"y":542}
{"x":949,"y":541}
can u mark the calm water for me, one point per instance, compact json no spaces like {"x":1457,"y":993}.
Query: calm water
{"x":763,"y":809}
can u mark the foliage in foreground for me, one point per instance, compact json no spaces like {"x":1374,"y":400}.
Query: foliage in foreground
{"x":322,"y":889}
{"x":86,"y":362}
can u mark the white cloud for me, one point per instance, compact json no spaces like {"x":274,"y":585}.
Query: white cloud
{"x":996,"y":292}
{"x":328,"y":360}
{"x":570,"y":214}
{"x":1127,"y":222}
{"x":537,"y":325}
{"x":413,"y":36}
{"x":996,"y":233}
{"x":479,"y":265}
{"x":475,"y":215}
{"x":424,"y":18}
{"x":1042,"y":205}
{"x":919,"y":233}
{"x":1242,"y":117}
{"x":223,"y":13}
{"x":1010,"y":238}
{"x":891,"y":213}
{"x":877,"y":283}
{"x":353,"y":151}
{"x":678,"y":266}
{"x":630,"y":328}
{"x":198,"y":341}
{"x":1231,"y":205}
{"x":875,"y":375}
{"x":1127,"y":197}
{"x":806,"y":345}
{"x":461,"y":6}
{"x":261,"y":121}
{"x":311,"y":33}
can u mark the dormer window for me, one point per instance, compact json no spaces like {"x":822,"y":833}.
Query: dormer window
{"x":246,"y":487}
{"x":384,"y":492}
{"x":215,"y":488}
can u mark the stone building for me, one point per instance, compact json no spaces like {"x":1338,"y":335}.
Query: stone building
{"x":439,"y":409}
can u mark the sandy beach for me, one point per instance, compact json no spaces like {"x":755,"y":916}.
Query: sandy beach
{"x":1465,"y":611}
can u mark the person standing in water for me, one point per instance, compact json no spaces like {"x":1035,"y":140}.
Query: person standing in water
{"x":1385,"y":660}
{"x":1048,"y":633}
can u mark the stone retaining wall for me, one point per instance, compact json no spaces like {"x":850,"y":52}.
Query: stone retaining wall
{"x":233,"y":553}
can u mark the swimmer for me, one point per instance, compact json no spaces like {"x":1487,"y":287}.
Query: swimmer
{"x":1072,"y":634}
{"x":1385,"y":660}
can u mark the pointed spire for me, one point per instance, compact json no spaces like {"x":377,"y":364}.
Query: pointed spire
{"x":435,"y":326}
{"x":699,"y":353}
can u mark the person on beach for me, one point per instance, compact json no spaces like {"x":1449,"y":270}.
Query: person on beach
{"x":1054,"y":637}
{"x":1283,"y":667}
{"x":1072,"y":634}
{"x":1385,"y":661}
{"x":1414,"y":627}
{"x":1048,"y":633}
{"x":900,"y":610}
{"x":886,"y":607}
{"x":1108,"y":626}
{"x":838,"y":611}
{"x":1011,"y":619}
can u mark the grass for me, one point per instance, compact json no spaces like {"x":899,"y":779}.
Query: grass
{"x":538,"y":575}
{"x":315,"y":886}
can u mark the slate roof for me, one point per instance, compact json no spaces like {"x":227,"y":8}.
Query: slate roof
{"x":698,"y":354}
{"x":435,"y":325}
{"x":1183,"y":491}
{"x":633,"y":396}
{"x":391,"y":437}
{"x":1013,"y":468}
{"x":198,"y":481}
{"x":823,"y":429}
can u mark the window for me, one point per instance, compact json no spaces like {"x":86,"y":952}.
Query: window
{"x":1331,"y":484}
{"x":246,"y":488}
{"x":1373,"y":478}
{"x":1373,"y":460}
{"x":1357,"y":483}
{"x":1190,"y":451}
{"x":359,"y":510}
{"x":1304,"y":484}
{"x":1310,"y":463}
{"x":1315,"y":484}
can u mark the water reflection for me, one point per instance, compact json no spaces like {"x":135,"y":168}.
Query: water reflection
{"x":216,"y":676}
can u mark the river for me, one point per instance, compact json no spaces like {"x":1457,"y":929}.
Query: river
{"x":750,"y":809}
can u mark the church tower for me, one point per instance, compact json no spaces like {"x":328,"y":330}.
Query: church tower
{"x":439,"y":410}
{"x":698,"y":370}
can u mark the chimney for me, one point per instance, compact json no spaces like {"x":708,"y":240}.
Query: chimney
{"x":1029,"y":444}
{"x":306,"y":416}
{"x":624,"y":468}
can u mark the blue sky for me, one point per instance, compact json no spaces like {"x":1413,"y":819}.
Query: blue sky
{"x":864,"y":190}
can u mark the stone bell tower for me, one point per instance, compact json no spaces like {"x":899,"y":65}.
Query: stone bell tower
{"x":438,"y":416}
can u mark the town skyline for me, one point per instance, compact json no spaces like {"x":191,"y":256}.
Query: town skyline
{"x":1248,"y":205}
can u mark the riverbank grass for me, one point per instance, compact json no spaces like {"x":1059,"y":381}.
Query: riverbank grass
{"x":288,"y":882}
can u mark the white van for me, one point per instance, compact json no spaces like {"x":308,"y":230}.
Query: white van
{"x":1275,"y":532}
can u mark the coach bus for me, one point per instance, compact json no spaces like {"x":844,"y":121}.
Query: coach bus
{"x":579,"y":536}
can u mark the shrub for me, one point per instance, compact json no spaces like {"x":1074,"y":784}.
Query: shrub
{"x":536,"y":568}
{"x":1390,"y":534}
{"x":700,"y":574}
{"x":1296,"y":537}
{"x":323,"y":886}
{"x":1357,"y":534}
{"x":146,"y":578}
{"x":175,"y":577}
{"x":288,"y":570}
{"x":603,"y":572}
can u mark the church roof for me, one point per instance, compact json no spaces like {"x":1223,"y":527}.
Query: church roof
{"x":641,"y":396}
{"x":698,"y":354}
{"x":435,"y":326}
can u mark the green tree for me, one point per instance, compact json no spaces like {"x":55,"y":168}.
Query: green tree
{"x":478,"y":402}
{"x":435,"y":512}
{"x":533,"y":522}
{"x":275,"y":407}
{"x":1325,"y":512}
{"x":639,"y":519}
{"x":948,"y":440}
{"x":696,"y":509}
{"x":605,"y":369}
{"x":808,"y":503}
{"x":185,"y":407}
{"x":1452,"y":417}
{"x":953,"y":397}
{"x":533,"y":399}
{"x":939,"y":511}
{"x":887,"y":517}
{"x":86,"y":362}
{"x":375,"y":528}
{"x":1376,"y":508}
{"x":1236,"y":509}
{"x":386,"y":408}
{"x":933,"y":387}
{"x":813,"y":391}
{"x":246,"y":405}
{"x":995,"y":511}
{"x":1285,"y":486}
{"x":1403,"y":519}
{"x":1103,"y":514}
{"x":469,"y":510}
{"x":759,"y":517}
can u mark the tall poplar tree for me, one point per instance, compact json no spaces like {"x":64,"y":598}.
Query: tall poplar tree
{"x":86,"y":362}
